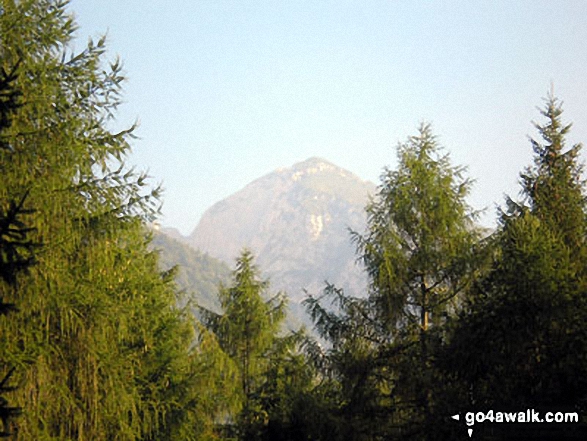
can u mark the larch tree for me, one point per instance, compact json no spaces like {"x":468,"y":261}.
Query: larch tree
{"x":419,"y":252}
{"x":419,"y":238}
{"x":16,"y":247}
{"x":247,"y":329}
{"x":97,"y":345}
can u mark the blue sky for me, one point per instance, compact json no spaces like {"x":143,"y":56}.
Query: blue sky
{"x":227,"y":91}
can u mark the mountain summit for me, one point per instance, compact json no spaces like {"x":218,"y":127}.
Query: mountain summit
{"x":296,"y":221}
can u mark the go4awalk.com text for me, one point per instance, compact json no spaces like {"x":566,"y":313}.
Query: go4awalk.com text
{"x":531,"y":416}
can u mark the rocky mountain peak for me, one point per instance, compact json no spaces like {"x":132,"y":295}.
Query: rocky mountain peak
{"x":296,"y":221}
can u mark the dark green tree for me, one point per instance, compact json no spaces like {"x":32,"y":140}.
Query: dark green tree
{"x":353,"y":399}
{"x":553,"y":187}
{"x":288,"y":392}
{"x":520,"y":340}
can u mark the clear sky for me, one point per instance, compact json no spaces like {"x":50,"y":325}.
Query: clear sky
{"x":227,"y":91}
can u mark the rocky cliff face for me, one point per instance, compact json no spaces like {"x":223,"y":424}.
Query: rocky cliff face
{"x":296,"y":222}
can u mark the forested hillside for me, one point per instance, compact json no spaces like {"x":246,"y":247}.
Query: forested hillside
{"x":198,"y":274}
{"x":454,"y":323}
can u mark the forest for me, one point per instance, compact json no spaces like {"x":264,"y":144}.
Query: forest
{"x":94,"y":344}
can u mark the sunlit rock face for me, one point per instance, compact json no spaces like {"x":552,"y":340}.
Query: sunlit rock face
{"x":296,"y":220}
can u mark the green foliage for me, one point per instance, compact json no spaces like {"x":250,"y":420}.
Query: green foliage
{"x":100,"y":350}
{"x":521,"y":340}
{"x":553,"y":187}
{"x":420,"y":236}
{"x":91,"y":333}
{"x":16,"y":247}
{"x":419,"y":251}
{"x":356,"y":386}
{"x":205,"y":394}
{"x":247,"y":331}
{"x":198,"y":274}
{"x":519,"y":322}
{"x":288,"y":393}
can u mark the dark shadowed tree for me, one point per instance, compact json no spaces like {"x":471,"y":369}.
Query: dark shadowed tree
{"x":16,"y":248}
{"x":520,"y":341}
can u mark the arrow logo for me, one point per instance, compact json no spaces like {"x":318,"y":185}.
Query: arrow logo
{"x":457,"y":417}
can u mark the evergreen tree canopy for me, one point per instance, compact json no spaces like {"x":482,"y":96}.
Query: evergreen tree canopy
{"x":246,"y":331}
{"x":521,"y":340}
{"x":419,"y":253}
{"x":554,"y":187}
{"x":420,"y":235}
{"x":97,"y":347}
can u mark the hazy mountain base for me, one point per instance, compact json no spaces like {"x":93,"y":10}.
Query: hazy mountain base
{"x":199,"y":277}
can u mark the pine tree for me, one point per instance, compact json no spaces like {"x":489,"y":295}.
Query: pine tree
{"x":98,"y":344}
{"x":419,"y":251}
{"x":520,"y":340}
{"x":246,"y":331}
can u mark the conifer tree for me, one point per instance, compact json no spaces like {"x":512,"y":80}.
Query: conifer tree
{"x":16,"y":249}
{"x":290,"y":394}
{"x":247,"y":330}
{"x":98,"y":345}
{"x":419,"y":238}
{"x":520,"y":340}
{"x":353,"y":400}
{"x":419,"y":253}
{"x":553,"y":187}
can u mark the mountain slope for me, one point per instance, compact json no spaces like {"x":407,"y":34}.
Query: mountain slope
{"x":296,"y":221}
{"x":200,"y":275}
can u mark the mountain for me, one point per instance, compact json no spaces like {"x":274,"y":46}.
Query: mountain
{"x":296,"y":221}
{"x":174,"y":233}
